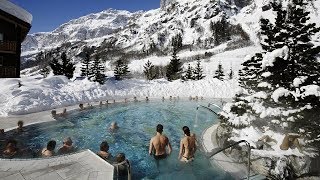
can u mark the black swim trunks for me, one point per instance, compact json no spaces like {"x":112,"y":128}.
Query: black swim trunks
{"x":158,"y":157}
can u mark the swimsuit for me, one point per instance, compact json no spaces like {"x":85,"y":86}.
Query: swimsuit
{"x":158,"y":157}
{"x":187,"y":159}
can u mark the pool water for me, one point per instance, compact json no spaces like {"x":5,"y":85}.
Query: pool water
{"x":137,"y":122}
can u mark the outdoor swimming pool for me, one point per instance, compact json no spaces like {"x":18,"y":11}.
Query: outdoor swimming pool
{"x":137,"y":122}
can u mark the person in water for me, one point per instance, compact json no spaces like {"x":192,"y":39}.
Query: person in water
{"x":11,"y":149}
{"x":49,"y":150}
{"x":20,"y":126}
{"x":159,"y":143}
{"x":67,"y":146}
{"x":104,"y":151}
{"x":122,"y":167}
{"x":187,"y":146}
{"x":114,"y":126}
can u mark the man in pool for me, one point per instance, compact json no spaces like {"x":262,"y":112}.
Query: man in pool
{"x":159,"y":143}
{"x":187,"y":146}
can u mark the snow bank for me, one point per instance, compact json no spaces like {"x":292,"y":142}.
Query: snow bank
{"x":37,"y":94}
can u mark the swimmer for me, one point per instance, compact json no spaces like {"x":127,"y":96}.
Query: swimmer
{"x":67,"y":146}
{"x":20,"y":126}
{"x":49,"y":150}
{"x":187,"y":146}
{"x":159,"y":143}
{"x":103,"y":153}
{"x":114,"y":126}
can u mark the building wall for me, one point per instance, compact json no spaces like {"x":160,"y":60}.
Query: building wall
{"x":10,"y":60}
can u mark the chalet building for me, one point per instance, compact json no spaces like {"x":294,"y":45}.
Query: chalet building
{"x":15,"y":24}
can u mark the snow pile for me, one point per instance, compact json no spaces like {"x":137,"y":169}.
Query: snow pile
{"x":37,"y":94}
{"x":16,"y":11}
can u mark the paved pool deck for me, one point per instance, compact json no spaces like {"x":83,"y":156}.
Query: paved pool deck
{"x":83,"y":165}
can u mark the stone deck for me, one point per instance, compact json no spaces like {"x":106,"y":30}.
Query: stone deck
{"x":84,"y":165}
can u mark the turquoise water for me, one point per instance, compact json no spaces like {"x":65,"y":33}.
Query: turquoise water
{"x":137,"y":122}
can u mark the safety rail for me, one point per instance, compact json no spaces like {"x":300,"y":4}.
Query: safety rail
{"x":125,"y":162}
{"x":208,"y":109}
{"x":218,"y":150}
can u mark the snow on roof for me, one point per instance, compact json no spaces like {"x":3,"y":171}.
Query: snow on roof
{"x":16,"y":11}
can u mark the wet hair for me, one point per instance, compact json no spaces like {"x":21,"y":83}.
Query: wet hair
{"x":104,"y":146}
{"x":20,"y":123}
{"x":186,"y":130}
{"x":54,"y":112}
{"x":11,"y":142}
{"x":1,"y":131}
{"x":51,"y":145}
{"x":159,"y":128}
{"x":120,"y":157}
{"x":67,"y":141}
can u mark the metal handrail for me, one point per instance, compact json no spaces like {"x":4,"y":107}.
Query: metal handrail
{"x":249,"y":151}
{"x":128,"y":170}
{"x":208,"y":109}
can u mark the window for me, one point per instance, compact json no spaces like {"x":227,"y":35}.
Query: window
{"x":1,"y":37}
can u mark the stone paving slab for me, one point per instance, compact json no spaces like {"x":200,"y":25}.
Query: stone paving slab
{"x":92,"y":167}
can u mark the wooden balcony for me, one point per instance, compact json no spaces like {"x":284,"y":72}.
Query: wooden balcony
{"x":8,"y":46}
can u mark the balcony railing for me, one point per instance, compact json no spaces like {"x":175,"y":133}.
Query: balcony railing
{"x":8,"y":46}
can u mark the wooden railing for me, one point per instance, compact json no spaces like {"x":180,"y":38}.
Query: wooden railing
{"x":8,"y":46}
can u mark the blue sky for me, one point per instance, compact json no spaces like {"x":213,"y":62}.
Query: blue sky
{"x":49,"y":14}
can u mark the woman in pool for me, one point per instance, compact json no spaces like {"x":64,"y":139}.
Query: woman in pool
{"x":187,"y":146}
{"x":49,"y":150}
{"x":103,"y":153}
{"x":11,"y":149}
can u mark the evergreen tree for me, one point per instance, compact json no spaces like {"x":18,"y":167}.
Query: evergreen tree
{"x":230,"y":74}
{"x":121,"y":70}
{"x":86,"y":63}
{"x":281,"y":75}
{"x":220,"y":31}
{"x":176,"y":42}
{"x":45,"y":71}
{"x":62,"y":67}
{"x":189,"y":73}
{"x":97,"y":71}
{"x":67,"y":67}
{"x":174,"y":67}
{"x":219,"y":74}
{"x":149,"y":70}
{"x":198,"y":71}
{"x":56,"y":66}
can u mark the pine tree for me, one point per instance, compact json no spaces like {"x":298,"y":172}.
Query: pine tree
{"x":56,"y":66}
{"x":45,"y":71}
{"x":97,"y":71}
{"x":219,"y":74}
{"x":149,"y":70}
{"x":288,"y":64}
{"x":198,"y":71}
{"x":63,"y":67}
{"x":176,"y":42}
{"x":86,"y":63}
{"x":230,"y":74}
{"x":220,"y":30}
{"x":174,"y":67}
{"x":189,"y":73}
{"x":67,"y":67}
{"x":121,"y":70}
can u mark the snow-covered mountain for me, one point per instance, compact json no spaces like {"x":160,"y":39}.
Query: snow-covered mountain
{"x":141,"y":31}
{"x":87,"y":27}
